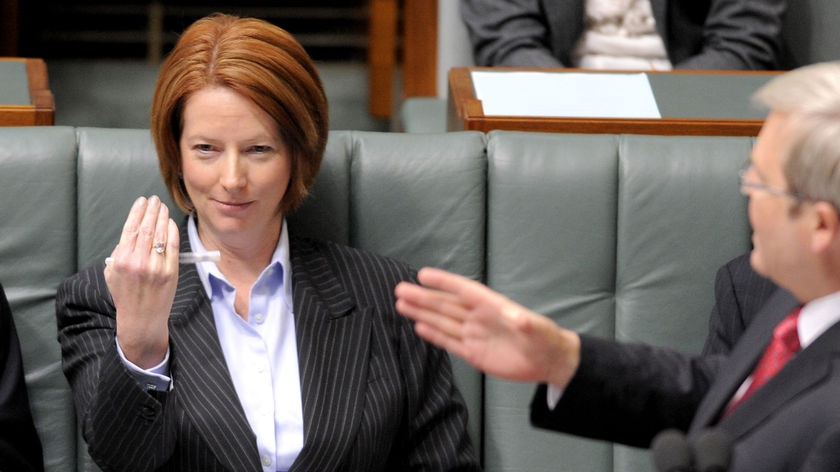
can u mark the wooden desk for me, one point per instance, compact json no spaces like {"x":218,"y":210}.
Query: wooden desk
{"x":699,"y":103}
{"x":25,"y":96}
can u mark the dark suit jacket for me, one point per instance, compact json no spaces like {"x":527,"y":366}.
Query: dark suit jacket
{"x":20,"y":447}
{"x":698,"y":34}
{"x":375,"y":397}
{"x":629,"y":393}
{"x":740,"y":292}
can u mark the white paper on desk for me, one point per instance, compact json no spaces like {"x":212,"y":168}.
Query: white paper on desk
{"x":565,"y":94}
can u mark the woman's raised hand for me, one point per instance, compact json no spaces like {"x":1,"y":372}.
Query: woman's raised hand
{"x":142,"y":274}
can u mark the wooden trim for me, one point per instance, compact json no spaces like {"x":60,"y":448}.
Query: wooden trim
{"x":417,"y":52}
{"x":420,"y":27}
{"x":462,"y":104}
{"x":40,"y":93}
{"x":41,"y":111}
{"x":665,"y":126}
{"x":382,"y":56}
{"x":465,"y":112}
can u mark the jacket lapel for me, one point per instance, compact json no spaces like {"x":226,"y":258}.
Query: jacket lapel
{"x":808,"y":368}
{"x":743,"y":358}
{"x":201,"y":379}
{"x":333,"y":337}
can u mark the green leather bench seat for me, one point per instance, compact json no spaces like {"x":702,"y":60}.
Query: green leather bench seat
{"x":617,"y":235}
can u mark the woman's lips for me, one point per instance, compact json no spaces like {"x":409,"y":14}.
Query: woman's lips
{"x":232,"y":206}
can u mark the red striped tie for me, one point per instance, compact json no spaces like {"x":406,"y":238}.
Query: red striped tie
{"x":782,"y":347}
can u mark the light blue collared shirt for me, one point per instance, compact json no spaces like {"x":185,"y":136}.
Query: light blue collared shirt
{"x":261,"y":353}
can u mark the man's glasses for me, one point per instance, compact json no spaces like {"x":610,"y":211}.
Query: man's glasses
{"x":752,"y":184}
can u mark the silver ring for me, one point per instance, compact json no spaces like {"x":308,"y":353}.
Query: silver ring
{"x":159,"y":247}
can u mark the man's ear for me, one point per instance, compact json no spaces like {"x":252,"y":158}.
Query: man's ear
{"x":827,"y":228}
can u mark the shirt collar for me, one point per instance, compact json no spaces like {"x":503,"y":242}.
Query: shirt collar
{"x":210,"y":275}
{"x":817,"y":316}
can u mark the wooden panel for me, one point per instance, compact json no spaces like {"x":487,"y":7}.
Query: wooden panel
{"x":40,"y":111}
{"x":382,"y":56}
{"x":420,"y":25}
{"x":417,"y":52}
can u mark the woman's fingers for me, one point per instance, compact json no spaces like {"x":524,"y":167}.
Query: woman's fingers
{"x":131,"y":227}
{"x":173,"y":239}
{"x":145,"y":232}
{"x":161,"y":226}
{"x":144,"y":243}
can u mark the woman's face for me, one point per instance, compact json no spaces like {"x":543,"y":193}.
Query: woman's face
{"x":236,"y":168}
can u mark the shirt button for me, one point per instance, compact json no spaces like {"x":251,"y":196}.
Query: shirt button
{"x":266,"y":460}
{"x":259,"y":317}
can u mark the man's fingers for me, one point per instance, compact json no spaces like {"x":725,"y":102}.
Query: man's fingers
{"x":468,"y":291}
{"x":449,"y":320}
{"x":440,"y":338}
{"x":442,"y":280}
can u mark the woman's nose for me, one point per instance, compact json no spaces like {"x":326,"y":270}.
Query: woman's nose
{"x":234,"y":174}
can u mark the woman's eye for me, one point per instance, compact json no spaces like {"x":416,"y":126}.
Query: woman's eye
{"x":261,"y":149}
{"x":203,"y":147}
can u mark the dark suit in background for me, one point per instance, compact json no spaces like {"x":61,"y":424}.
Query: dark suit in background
{"x":698,"y":34}
{"x":375,"y":396}
{"x":739,"y":294}
{"x":20,"y":447}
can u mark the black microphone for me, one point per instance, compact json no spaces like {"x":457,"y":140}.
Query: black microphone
{"x":671,"y":452}
{"x":712,"y":450}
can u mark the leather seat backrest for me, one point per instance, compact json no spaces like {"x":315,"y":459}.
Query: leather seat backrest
{"x":617,"y":236}
{"x":37,"y":251}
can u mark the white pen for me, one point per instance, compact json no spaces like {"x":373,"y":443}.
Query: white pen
{"x":188,"y":257}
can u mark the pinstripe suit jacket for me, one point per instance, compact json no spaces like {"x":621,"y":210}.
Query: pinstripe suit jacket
{"x":740,"y":292}
{"x":375,"y":397}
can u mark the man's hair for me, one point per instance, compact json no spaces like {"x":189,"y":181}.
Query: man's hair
{"x":810,"y":96}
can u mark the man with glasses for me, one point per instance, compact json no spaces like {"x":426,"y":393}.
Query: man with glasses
{"x":777,"y":394}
